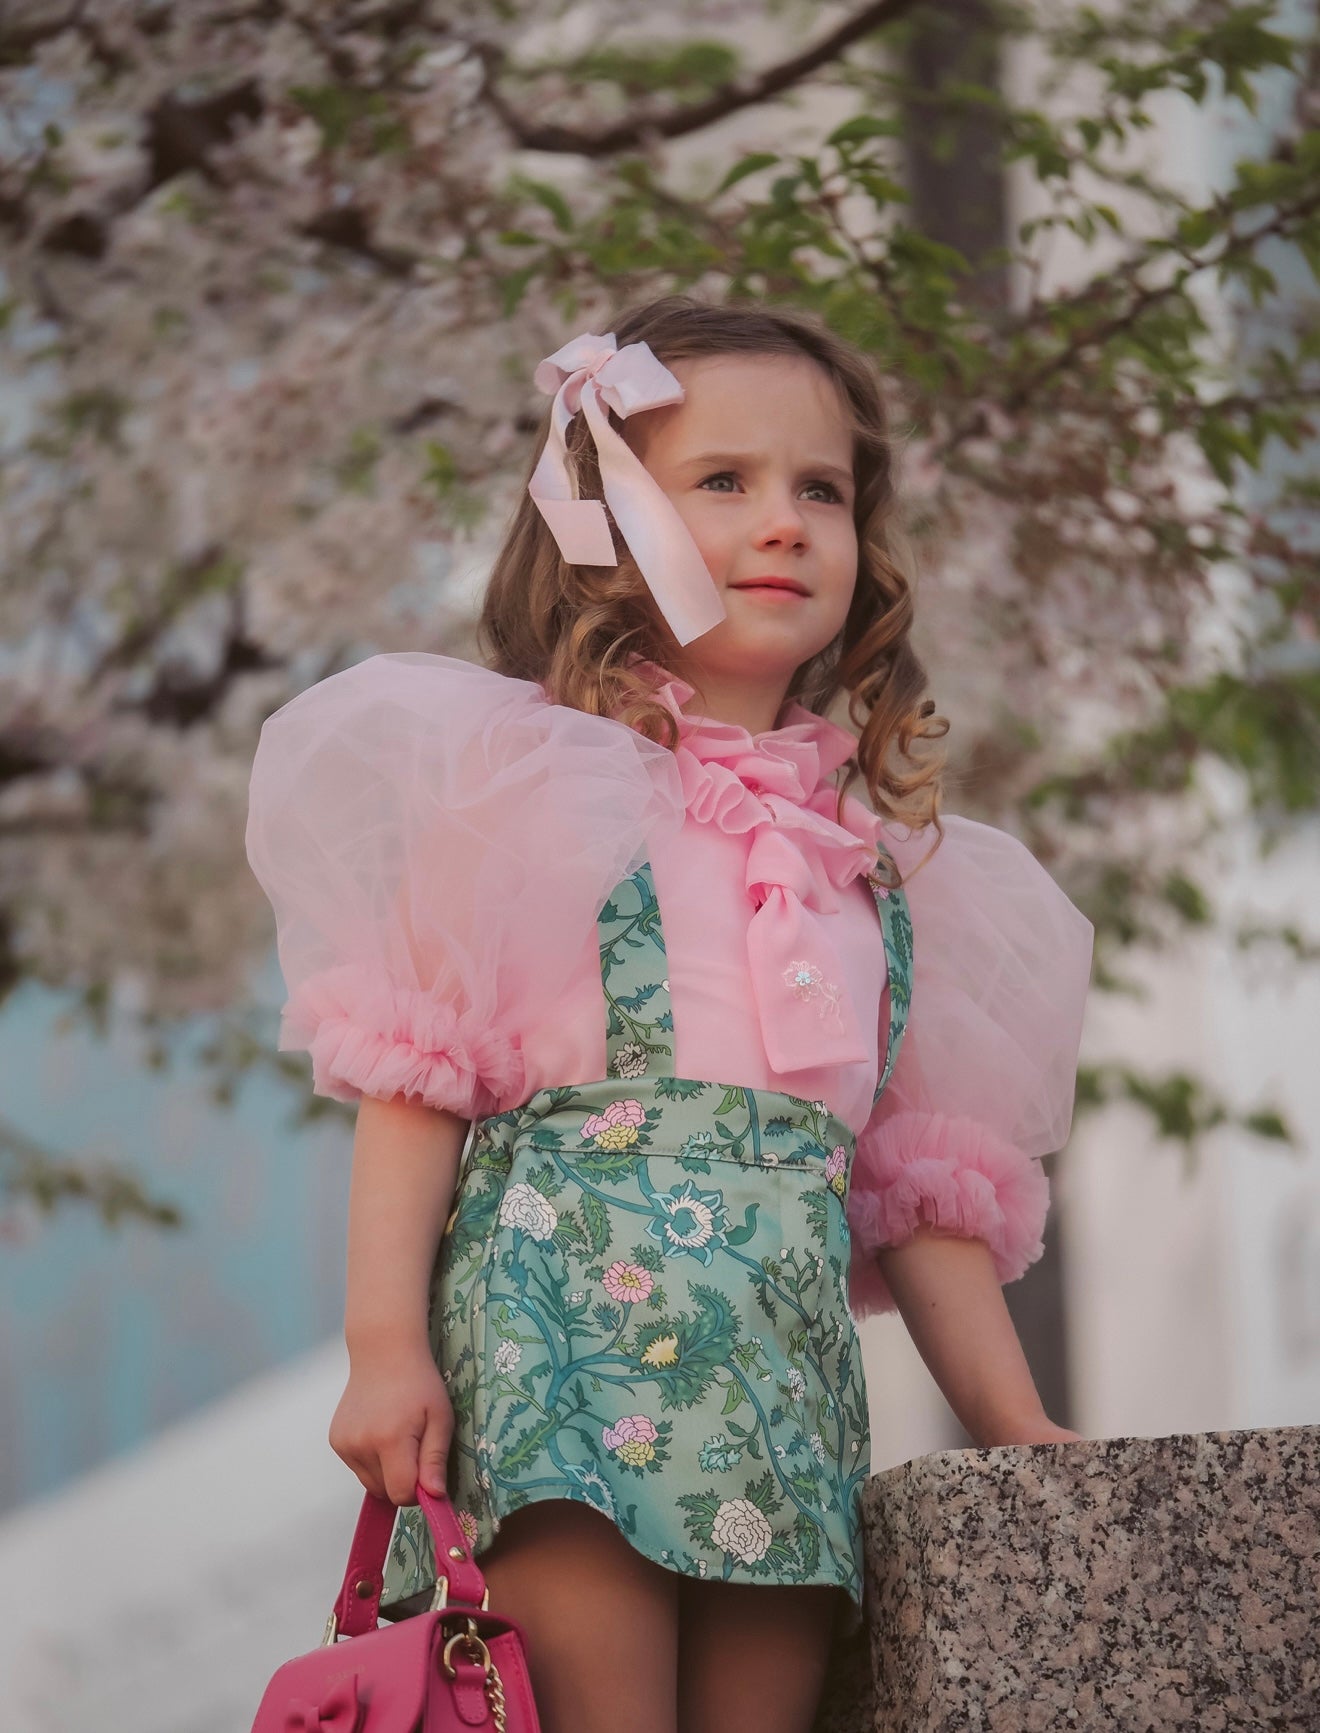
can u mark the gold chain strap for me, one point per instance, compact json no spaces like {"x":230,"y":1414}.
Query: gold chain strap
{"x":495,"y":1691}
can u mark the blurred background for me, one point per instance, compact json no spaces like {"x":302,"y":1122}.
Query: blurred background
{"x":273,"y":280}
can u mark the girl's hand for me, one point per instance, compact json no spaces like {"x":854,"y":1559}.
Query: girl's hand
{"x":394,"y":1423}
{"x":1039,"y":1430}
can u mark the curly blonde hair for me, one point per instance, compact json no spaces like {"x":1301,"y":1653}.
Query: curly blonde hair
{"x":579,"y":630}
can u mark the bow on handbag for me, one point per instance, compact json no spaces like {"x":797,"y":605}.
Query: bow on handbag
{"x":340,"y":1712}
{"x":458,"y":1668}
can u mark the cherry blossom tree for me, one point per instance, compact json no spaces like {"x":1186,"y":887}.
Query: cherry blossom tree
{"x":275,"y":275}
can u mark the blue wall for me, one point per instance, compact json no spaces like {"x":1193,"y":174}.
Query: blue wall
{"x":106,"y":1335}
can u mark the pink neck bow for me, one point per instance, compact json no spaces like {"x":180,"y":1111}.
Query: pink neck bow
{"x":586,"y":374}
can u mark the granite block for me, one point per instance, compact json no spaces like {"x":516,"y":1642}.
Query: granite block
{"x":1121,"y":1583}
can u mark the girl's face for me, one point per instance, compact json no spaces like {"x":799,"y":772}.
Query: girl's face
{"x":758,"y":461}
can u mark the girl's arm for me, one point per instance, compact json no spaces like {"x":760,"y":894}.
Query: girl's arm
{"x":394,"y":1423}
{"x":952,"y":1303}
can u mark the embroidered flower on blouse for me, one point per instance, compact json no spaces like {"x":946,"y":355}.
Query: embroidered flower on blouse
{"x":807,"y":982}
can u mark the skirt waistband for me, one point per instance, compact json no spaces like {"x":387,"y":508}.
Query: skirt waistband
{"x":696,"y":1121}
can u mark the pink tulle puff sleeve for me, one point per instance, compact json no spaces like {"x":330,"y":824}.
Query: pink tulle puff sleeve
{"x":985,"y":1077}
{"x":436,"y":841}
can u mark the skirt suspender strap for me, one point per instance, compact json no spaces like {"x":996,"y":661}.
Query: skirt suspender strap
{"x":896,"y":925}
{"x":634,"y":972}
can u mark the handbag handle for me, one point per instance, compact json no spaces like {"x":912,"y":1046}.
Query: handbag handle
{"x":458,"y":1576}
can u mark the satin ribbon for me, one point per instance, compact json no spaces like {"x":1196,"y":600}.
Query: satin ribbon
{"x":806,"y":1011}
{"x":590,"y":374}
{"x":340,"y":1712}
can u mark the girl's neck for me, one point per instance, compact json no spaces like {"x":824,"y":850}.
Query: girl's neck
{"x":749,"y":704}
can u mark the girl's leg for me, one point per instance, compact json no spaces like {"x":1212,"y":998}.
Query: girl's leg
{"x":752,"y":1656}
{"x":601,"y":1621}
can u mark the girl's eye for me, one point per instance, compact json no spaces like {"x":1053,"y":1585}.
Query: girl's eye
{"x":833,"y":496}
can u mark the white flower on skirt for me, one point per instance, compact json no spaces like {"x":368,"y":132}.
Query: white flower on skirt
{"x":741,"y":1528}
{"x":507,"y":1356}
{"x":630,"y":1060}
{"x":817,"y":1447}
{"x":522,"y":1206}
{"x":797,"y":1384}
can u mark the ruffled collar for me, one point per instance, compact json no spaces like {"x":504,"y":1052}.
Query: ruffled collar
{"x":781,"y":776}
{"x":792,"y":759}
{"x":774,"y":791}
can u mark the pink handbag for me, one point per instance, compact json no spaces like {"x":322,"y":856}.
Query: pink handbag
{"x":457,"y":1666}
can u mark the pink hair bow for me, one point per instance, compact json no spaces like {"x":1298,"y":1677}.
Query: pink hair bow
{"x":591,"y":373}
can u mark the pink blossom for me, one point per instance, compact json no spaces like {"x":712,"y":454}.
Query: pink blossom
{"x":633,"y":1428}
{"x":625,"y":1112}
{"x":835,"y":1162}
{"x":627,"y":1283}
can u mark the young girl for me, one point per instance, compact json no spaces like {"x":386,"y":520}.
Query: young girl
{"x":666,"y":1047}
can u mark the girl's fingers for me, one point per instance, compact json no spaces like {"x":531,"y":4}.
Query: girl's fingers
{"x":399,"y":1467}
{"x":433,"y":1454}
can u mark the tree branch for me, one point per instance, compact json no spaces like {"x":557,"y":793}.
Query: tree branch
{"x":691,"y":117}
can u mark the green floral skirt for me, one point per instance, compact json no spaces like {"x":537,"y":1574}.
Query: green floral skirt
{"x":640,"y":1303}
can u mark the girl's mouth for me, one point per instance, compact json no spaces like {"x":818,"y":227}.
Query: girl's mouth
{"x":772,"y":588}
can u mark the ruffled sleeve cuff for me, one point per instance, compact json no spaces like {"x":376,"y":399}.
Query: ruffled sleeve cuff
{"x":954,"y":1174}
{"x":369,"y":1037}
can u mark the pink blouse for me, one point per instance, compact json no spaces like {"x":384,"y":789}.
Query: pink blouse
{"x":437,"y":841}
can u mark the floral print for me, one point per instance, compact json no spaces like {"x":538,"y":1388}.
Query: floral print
{"x":524,"y":1207}
{"x":627,"y":1283}
{"x":616,"y":1128}
{"x":632,"y":1439}
{"x":590,"y":1360}
{"x":688,"y":1222}
{"x":640,"y":1303}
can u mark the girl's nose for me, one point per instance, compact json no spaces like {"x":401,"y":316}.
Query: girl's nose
{"x":782,"y":523}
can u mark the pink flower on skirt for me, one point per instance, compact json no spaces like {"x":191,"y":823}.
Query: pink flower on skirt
{"x":626,"y":1112}
{"x":632,"y":1429}
{"x":627,"y":1283}
{"x":836,"y":1168}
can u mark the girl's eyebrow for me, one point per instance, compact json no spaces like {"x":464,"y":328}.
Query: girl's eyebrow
{"x":745,"y":459}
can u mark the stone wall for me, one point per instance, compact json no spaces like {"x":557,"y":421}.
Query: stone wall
{"x":1124,"y":1583}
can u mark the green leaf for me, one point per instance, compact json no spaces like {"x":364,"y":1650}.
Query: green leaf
{"x":739,"y":1236}
{"x":525,"y":1449}
{"x":749,"y":165}
{"x":860,"y":127}
{"x":734,"y":1397}
{"x":553,"y":201}
{"x":597,"y":1220}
